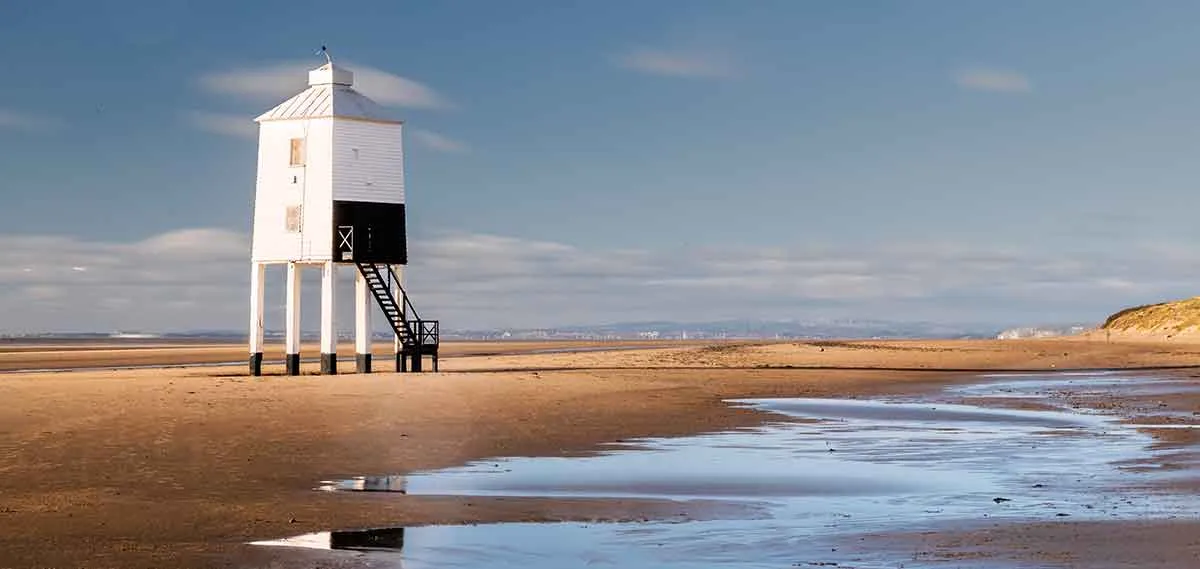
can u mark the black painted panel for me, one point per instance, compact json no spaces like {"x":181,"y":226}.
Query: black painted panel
{"x":367,"y":232}
{"x":292,"y":364}
{"x":329,"y":364}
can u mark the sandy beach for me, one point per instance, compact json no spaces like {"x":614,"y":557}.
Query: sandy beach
{"x":182,"y":467}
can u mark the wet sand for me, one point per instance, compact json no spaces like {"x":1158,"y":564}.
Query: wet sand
{"x":18,"y":356}
{"x":1094,"y":545}
{"x":181,"y":467}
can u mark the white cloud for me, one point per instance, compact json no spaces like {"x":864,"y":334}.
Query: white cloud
{"x":505,"y":281}
{"x":198,"y":278}
{"x":200,"y":244}
{"x":227,"y":124}
{"x":677,"y":63}
{"x":24,"y":121}
{"x":178,"y":280}
{"x":263,"y":82}
{"x":390,"y":89}
{"x":994,"y":80}
{"x":437,"y":141}
{"x":281,"y":80}
{"x":266,"y":85}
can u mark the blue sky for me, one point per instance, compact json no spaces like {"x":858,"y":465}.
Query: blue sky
{"x":574,"y":162}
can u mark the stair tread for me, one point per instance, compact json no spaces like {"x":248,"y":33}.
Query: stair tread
{"x":411,"y":334}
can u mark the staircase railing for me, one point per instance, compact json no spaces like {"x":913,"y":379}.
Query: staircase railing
{"x":383,"y":295}
{"x":413,"y":332}
{"x":427,"y":331}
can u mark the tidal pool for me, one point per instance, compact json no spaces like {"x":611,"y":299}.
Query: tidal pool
{"x":853,"y":467}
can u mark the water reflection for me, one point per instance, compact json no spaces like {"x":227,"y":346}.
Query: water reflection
{"x":861,"y":466}
{"x":391,"y":483}
{"x":382,"y":539}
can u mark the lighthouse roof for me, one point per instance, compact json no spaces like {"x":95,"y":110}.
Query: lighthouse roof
{"x":330,"y":93}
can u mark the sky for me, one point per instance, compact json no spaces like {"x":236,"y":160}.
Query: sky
{"x":574,"y":162}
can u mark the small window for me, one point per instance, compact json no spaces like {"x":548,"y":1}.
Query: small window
{"x":294,"y":219}
{"x":355,"y":150}
{"x":297,"y":158}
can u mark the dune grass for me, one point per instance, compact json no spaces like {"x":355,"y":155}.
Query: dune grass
{"x":1176,"y":316}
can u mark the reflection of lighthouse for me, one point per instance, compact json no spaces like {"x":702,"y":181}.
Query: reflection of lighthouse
{"x":385,"y":539}
{"x":392,"y":483}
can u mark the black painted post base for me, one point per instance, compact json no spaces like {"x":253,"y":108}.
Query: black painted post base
{"x":362,"y":363}
{"x":256,"y":364}
{"x":293,"y":364}
{"x":328,"y":364}
{"x":414,"y":361}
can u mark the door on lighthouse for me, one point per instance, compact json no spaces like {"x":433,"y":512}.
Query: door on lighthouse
{"x":366,"y":232}
{"x":345,"y":239}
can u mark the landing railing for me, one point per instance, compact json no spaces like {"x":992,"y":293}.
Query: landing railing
{"x":425,"y":333}
{"x":428,"y":333}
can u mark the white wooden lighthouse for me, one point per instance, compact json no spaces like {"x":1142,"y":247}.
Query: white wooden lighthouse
{"x":330,"y":191}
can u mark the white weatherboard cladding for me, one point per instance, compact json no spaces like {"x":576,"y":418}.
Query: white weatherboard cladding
{"x":368,"y":161}
{"x":318,"y":203}
{"x":281,"y":186}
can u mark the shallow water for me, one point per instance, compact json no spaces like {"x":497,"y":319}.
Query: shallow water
{"x":854,"y":466}
{"x":1033,"y":386}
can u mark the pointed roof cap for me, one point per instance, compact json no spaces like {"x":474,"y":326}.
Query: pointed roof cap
{"x":329,"y":94}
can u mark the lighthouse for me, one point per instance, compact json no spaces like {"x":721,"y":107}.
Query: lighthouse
{"x":330,"y":194}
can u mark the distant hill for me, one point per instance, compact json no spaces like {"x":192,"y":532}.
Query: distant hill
{"x":1175,"y":320}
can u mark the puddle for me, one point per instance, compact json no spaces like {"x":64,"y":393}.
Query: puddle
{"x":853,"y":467}
{"x":1039,"y":386}
{"x":921,"y":415}
{"x":697,"y":545}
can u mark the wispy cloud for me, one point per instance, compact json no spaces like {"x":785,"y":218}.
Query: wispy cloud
{"x":263,"y":82}
{"x":994,"y":80}
{"x":276,"y":81}
{"x":435,"y":141}
{"x":197,"y":278}
{"x":677,"y":63}
{"x":467,"y":277}
{"x":227,"y":124}
{"x":67,"y":283}
{"x":25,"y":121}
{"x":391,"y":89}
